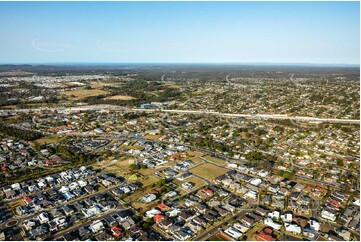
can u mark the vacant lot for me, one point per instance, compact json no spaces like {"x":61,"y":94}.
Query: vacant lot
{"x":83,"y":93}
{"x":16,"y":203}
{"x":132,"y":146}
{"x":48,"y":139}
{"x":197,"y":182}
{"x":118,"y":166}
{"x":103,"y":84}
{"x":215,"y":160}
{"x":120,"y":97}
{"x":208,"y":171}
{"x":151,"y":136}
{"x":194,"y":153}
{"x":197,"y":160}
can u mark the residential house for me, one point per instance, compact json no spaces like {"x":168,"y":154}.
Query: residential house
{"x":293,"y":228}
{"x":200,"y":221}
{"x":261,"y":211}
{"x":165,"y":224}
{"x":109,"y":220}
{"x":96,"y":226}
{"x":266,"y":235}
{"x":272,"y":224}
{"x":128,"y":223}
{"x":200,"y":208}
{"x":185,"y":216}
{"x":222,"y":212}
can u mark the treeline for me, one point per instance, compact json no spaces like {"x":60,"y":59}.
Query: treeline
{"x":260,"y":160}
{"x":79,"y":158}
{"x":209,"y":144}
{"x":142,"y":91}
{"x":135,"y":115}
{"x":23,"y":134}
{"x":11,"y":97}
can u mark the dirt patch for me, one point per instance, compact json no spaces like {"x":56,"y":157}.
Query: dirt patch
{"x":83,"y":93}
{"x":120,"y":97}
{"x":118,"y":166}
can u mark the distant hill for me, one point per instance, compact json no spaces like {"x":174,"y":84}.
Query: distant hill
{"x":123,"y":68}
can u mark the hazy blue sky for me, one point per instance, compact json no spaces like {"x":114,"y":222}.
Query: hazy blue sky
{"x":282,"y":32}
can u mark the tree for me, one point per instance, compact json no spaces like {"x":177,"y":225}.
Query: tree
{"x":339,"y":162}
{"x":134,"y":166}
{"x":161,"y":182}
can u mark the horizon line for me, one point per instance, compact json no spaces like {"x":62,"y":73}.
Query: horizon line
{"x":182,"y":63}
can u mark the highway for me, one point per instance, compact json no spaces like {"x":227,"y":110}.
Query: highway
{"x":255,"y":116}
{"x":199,"y":112}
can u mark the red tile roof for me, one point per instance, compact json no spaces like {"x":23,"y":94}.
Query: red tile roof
{"x":268,"y":230}
{"x":162,"y":207}
{"x":207,"y":191}
{"x":27,"y":199}
{"x":159,"y":217}
{"x":321,"y":189}
{"x":265,"y":237}
{"x":117,"y":231}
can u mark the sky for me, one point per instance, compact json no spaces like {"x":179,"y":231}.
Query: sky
{"x":180,"y":32}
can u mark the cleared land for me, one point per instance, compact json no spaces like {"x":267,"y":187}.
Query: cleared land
{"x":215,"y":160}
{"x":197,"y":160}
{"x":120,"y":97}
{"x":208,"y":171}
{"x":194,"y":153}
{"x":118,"y":166}
{"x":133,"y":199}
{"x":197,"y":182}
{"x":103,"y":84}
{"x":82,"y":93}
{"x":152,"y":137}
{"x":132,"y":146}
{"x":48,"y":139}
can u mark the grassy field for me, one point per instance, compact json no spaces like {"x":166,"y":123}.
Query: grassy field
{"x":196,"y":160}
{"x":208,"y":171}
{"x":103,"y":84}
{"x":16,"y":203}
{"x":195,"y":180}
{"x":152,"y":137}
{"x":215,"y":160}
{"x":28,"y":104}
{"x":120,"y":166}
{"x":194,"y":153}
{"x":83,"y":93}
{"x":148,"y":180}
{"x":133,"y":198}
{"x":134,"y":147}
{"x":148,"y":172}
{"x":120,"y":97}
{"x":48,"y":139}
{"x":9,"y":107}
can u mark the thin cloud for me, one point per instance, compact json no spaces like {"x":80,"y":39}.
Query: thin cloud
{"x":47,"y":46}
